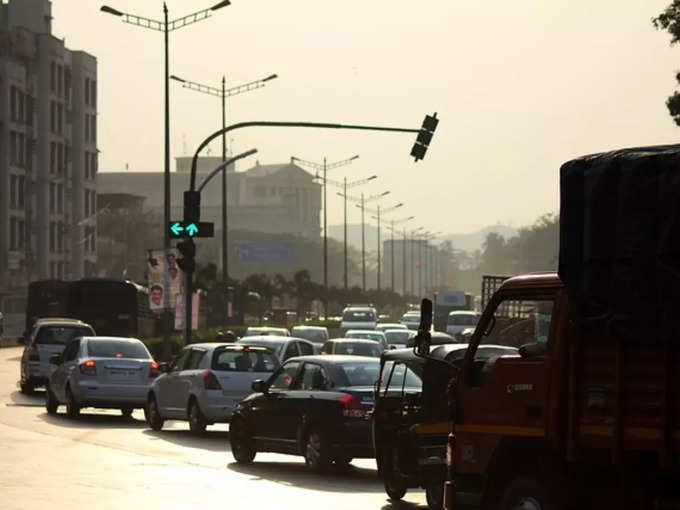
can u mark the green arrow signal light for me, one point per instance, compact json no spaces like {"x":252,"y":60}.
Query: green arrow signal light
{"x":176,"y":228}
{"x":192,"y":229}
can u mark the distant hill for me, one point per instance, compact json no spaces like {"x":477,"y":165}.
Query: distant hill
{"x":469,"y":242}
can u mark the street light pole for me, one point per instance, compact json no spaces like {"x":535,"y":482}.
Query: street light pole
{"x":390,"y":209}
{"x":392,"y":229}
{"x":344,"y":201}
{"x":363,"y":246}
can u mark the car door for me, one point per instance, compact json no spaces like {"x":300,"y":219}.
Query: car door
{"x":61,"y":374}
{"x":169,"y":382}
{"x":308,"y":395}
{"x":186,"y":378}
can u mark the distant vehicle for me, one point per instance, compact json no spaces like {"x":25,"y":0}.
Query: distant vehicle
{"x":113,"y":307}
{"x":49,"y":336}
{"x":384,"y":326}
{"x":103,"y":372}
{"x":205,"y":382}
{"x":398,"y":337}
{"x":353,"y":347}
{"x":437,"y":338}
{"x":358,"y":317}
{"x":460,"y":320}
{"x":449,"y":301}
{"x":283,"y":347}
{"x":316,"y":406}
{"x":411,"y":320}
{"x":266,"y":330}
{"x":315,"y":334}
{"x":369,"y":334}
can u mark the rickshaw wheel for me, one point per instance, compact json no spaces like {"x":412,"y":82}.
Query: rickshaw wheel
{"x":394,"y":489}
{"x":434,"y":494}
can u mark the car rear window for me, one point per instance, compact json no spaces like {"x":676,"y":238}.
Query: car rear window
{"x":117,"y":349}
{"x":463,"y":320}
{"x":367,"y":335}
{"x":230,"y":360}
{"x":358,"y":316}
{"x":60,"y":335}
{"x":361,"y":373}
{"x":372,"y":350}
{"x":313,"y":335}
{"x":398,"y":337}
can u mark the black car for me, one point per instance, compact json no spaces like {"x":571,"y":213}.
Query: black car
{"x":314,"y":406}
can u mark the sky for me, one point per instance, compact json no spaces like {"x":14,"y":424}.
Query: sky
{"x":520,"y":87}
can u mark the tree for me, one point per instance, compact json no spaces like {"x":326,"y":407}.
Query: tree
{"x":669,"y":20}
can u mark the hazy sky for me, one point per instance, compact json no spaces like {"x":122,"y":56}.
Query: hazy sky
{"x":520,"y":87}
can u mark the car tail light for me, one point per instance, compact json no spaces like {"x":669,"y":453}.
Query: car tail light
{"x":351,"y":407}
{"x":210,"y":382}
{"x":33,"y":354}
{"x":88,"y":367}
{"x":153,"y":370}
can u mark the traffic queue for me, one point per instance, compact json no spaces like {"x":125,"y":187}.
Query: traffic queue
{"x":307,"y":394}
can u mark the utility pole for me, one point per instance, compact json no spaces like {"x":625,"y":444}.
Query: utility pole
{"x":377,"y":217}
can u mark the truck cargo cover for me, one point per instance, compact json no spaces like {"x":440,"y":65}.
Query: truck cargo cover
{"x":620,"y":240}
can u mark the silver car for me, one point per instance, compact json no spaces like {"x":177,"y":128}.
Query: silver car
{"x":49,"y":336}
{"x":266,"y":330}
{"x":103,"y":372}
{"x":284,"y":347}
{"x":205,"y":382}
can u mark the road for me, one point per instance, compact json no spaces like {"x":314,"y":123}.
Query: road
{"x":105,"y":461}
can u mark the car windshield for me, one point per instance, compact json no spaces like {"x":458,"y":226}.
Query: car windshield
{"x":397,"y":336}
{"x":318,"y":336}
{"x":368,"y":335}
{"x":266,"y":331}
{"x":117,"y":349}
{"x":358,"y":349}
{"x":231,"y":360}
{"x":358,"y":316}
{"x":60,"y":335}
{"x":360,"y":373}
{"x":411,"y":318}
{"x":465,"y":319}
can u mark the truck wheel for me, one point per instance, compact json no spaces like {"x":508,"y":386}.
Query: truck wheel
{"x":528,"y":493}
{"x":434,"y":494}
{"x":394,"y":489}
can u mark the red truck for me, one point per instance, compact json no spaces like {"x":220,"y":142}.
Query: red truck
{"x":588,"y":414}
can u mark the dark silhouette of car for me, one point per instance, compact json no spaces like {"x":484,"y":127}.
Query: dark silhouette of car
{"x":314,"y":406}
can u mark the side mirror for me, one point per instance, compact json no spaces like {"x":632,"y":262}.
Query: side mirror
{"x":56,"y":359}
{"x":259,"y":386}
{"x":163,"y":367}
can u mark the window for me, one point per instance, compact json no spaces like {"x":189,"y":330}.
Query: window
{"x":60,"y":79}
{"x":313,"y":378}
{"x":60,"y":237}
{"x":53,"y":76}
{"x":13,"y":191}
{"x":12,"y":148}
{"x":21,"y":105}
{"x":93,"y":239}
{"x":93,"y":128}
{"x":397,"y":378}
{"x":285,"y":376}
{"x":21,"y":149}
{"x":30,"y":105}
{"x":67,"y":158}
{"x":67,"y":84}
{"x":53,"y":157}
{"x":519,"y":322}
{"x":87,"y":202}
{"x":87,"y":127}
{"x":361,"y":373}
{"x":194,"y":359}
{"x":178,"y":363}
{"x":12,"y":233}
{"x":60,"y":118}
{"x":291,"y":350}
{"x":93,"y":165}
{"x":87,"y":91}
{"x":22,"y":233}
{"x":93,"y":93}
{"x":13,"y":103}
{"x":60,"y":198}
{"x":60,"y":270}
{"x":21,"y":189}
{"x":29,"y":153}
{"x":305,"y":349}
{"x":87,"y":165}
{"x":60,"y":158}
{"x":53,"y":117}
{"x":71,"y":350}
{"x":117,"y":349}
{"x":53,"y":193}
{"x":52,"y":240}
{"x":243,"y":360}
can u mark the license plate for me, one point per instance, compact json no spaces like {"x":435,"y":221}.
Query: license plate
{"x":123,"y":372}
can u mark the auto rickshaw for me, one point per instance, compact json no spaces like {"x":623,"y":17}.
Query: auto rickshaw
{"x":411,"y":417}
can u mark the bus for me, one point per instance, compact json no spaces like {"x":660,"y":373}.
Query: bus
{"x":111,"y":306}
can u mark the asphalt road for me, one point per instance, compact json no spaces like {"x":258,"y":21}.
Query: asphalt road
{"x":104,"y":461}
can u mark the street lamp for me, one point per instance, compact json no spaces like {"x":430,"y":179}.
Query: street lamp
{"x":413,"y":233}
{"x":361,"y":204}
{"x":166,"y":27}
{"x":325,"y":167}
{"x":345,"y":186}
{"x":224,"y":93}
{"x":377,"y":217}
{"x":394,"y":222}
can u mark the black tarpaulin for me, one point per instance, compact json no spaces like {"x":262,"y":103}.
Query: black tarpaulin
{"x":620,"y":240}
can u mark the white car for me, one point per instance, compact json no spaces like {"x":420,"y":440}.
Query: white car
{"x":384,"y":326}
{"x":411,"y":320}
{"x":459,"y":320}
{"x":266,"y":330}
{"x":283,"y":347}
{"x":318,"y":335}
{"x":103,"y":372}
{"x":205,"y":382}
{"x":398,"y":337}
{"x":358,"y":317}
{"x":368,"y":334}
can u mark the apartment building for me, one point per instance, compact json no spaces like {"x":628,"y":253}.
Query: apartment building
{"x":48,"y":151}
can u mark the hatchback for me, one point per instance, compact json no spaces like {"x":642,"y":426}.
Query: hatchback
{"x":103,"y":372}
{"x":205,"y":382}
{"x":283,"y":347}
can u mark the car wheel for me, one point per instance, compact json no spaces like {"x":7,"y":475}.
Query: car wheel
{"x":316,"y":451}
{"x":127,"y":411}
{"x":51,"y":403}
{"x":153,"y":415}
{"x":434,"y":494}
{"x":197,"y":421}
{"x":72,"y":406}
{"x":395,"y":490}
{"x":241,"y":443}
{"x":26,"y":388}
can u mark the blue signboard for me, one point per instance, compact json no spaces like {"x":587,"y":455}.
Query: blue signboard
{"x":249,"y":253}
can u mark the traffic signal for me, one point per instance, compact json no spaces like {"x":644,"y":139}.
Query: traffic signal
{"x":187,"y":250}
{"x":192,"y":207}
{"x":424,"y":136}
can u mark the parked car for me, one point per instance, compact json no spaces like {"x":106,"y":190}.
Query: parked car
{"x":358,"y":317}
{"x":459,"y":320}
{"x":411,"y":320}
{"x":398,"y":337}
{"x":283,"y":347}
{"x":205,"y":382}
{"x":103,"y":372}
{"x":437,"y":338}
{"x":266,"y":330}
{"x":315,"y":334}
{"x":384,"y":326}
{"x":376,"y":336}
{"x":49,"y":336}
{"x":316,"y":406}
{"x":354,"y":347}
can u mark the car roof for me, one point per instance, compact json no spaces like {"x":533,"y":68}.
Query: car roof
{"x":463,"y":312}
{"x":301,"y":326}
{"x":400,"y":330}
{"x":59,"y":320}
{"x":331,"y":359}
{"x":437,"y":352}
{"x":376,"y":331}
{"x":352,"y":340}
{"x":127,"y":339}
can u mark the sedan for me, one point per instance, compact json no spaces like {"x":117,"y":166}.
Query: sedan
{"x":103,"y":372}
{"x":314,"y":406}
{"x":353,"y":346}
{"x":205,"y":382}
